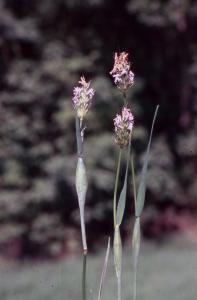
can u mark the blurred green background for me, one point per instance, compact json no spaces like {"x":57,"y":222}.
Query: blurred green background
{"x":45,"y":46}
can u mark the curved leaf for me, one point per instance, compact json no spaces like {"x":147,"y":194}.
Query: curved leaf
{"x":116,"y":186}
{"x":142,"y":186}
{"x":123,"y":194}
{"x":104,"y":269}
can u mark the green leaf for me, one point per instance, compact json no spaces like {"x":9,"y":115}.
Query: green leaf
{"x":116,"y":186}
{"x":142,"y":186}
{"x":104,"y":269}
{"x":123,"y":194}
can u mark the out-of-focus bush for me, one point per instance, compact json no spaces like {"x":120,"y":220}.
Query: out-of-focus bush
{"x":45,"y":46}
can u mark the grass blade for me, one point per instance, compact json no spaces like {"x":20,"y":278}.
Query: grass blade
{"x":122,"y":198}
{"x":104,"y":269}
{"x":116,"y":186}
{"x":142,"y":186}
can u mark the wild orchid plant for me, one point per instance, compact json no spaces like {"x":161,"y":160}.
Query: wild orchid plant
{"x":123,"y":127}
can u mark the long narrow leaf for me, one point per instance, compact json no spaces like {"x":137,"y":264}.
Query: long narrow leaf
{"x":116,"y":186}
{"x":123,"y":194}
{"x":104,"y":269}
{"x":142,"y":186}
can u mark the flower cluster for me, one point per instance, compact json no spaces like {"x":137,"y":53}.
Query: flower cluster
{"x":123,"y":76}
{"x":123,"y":127}
{"x":82,"y":98}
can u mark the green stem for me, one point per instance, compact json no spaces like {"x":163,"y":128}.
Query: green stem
{"x":133,"y":181}
{"x":84,"y":276}
{"x":83,"y":229}
{"x":116,"y":186}
{"x":125,"y":98}
{"x":78,"y":137}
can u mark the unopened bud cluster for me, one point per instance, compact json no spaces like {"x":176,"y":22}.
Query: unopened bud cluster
{"x":82,"y":98}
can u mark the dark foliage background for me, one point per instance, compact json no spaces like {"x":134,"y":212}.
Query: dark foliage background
{"x":44,"y":48}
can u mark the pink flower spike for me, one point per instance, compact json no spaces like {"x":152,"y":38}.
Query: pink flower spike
{"x":123,"y":127}
{"x":121,"y":73}
{"x":82,"y":97}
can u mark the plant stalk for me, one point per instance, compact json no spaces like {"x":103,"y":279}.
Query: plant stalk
{"x":119,"y":288}
{"x":84,"y":275}
{"x":135,"y":284}
{"x":80,"y":139}
{"x":125,"y":98}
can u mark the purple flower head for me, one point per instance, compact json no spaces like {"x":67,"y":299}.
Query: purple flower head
{"x":123,"y":127}
{"x":82,"y":98}
{"x":123,"y":76}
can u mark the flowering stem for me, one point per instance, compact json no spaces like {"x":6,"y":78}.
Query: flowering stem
{"x":80,"y":136}
{"x":82,"y":99}
{"x":116,"y":186}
